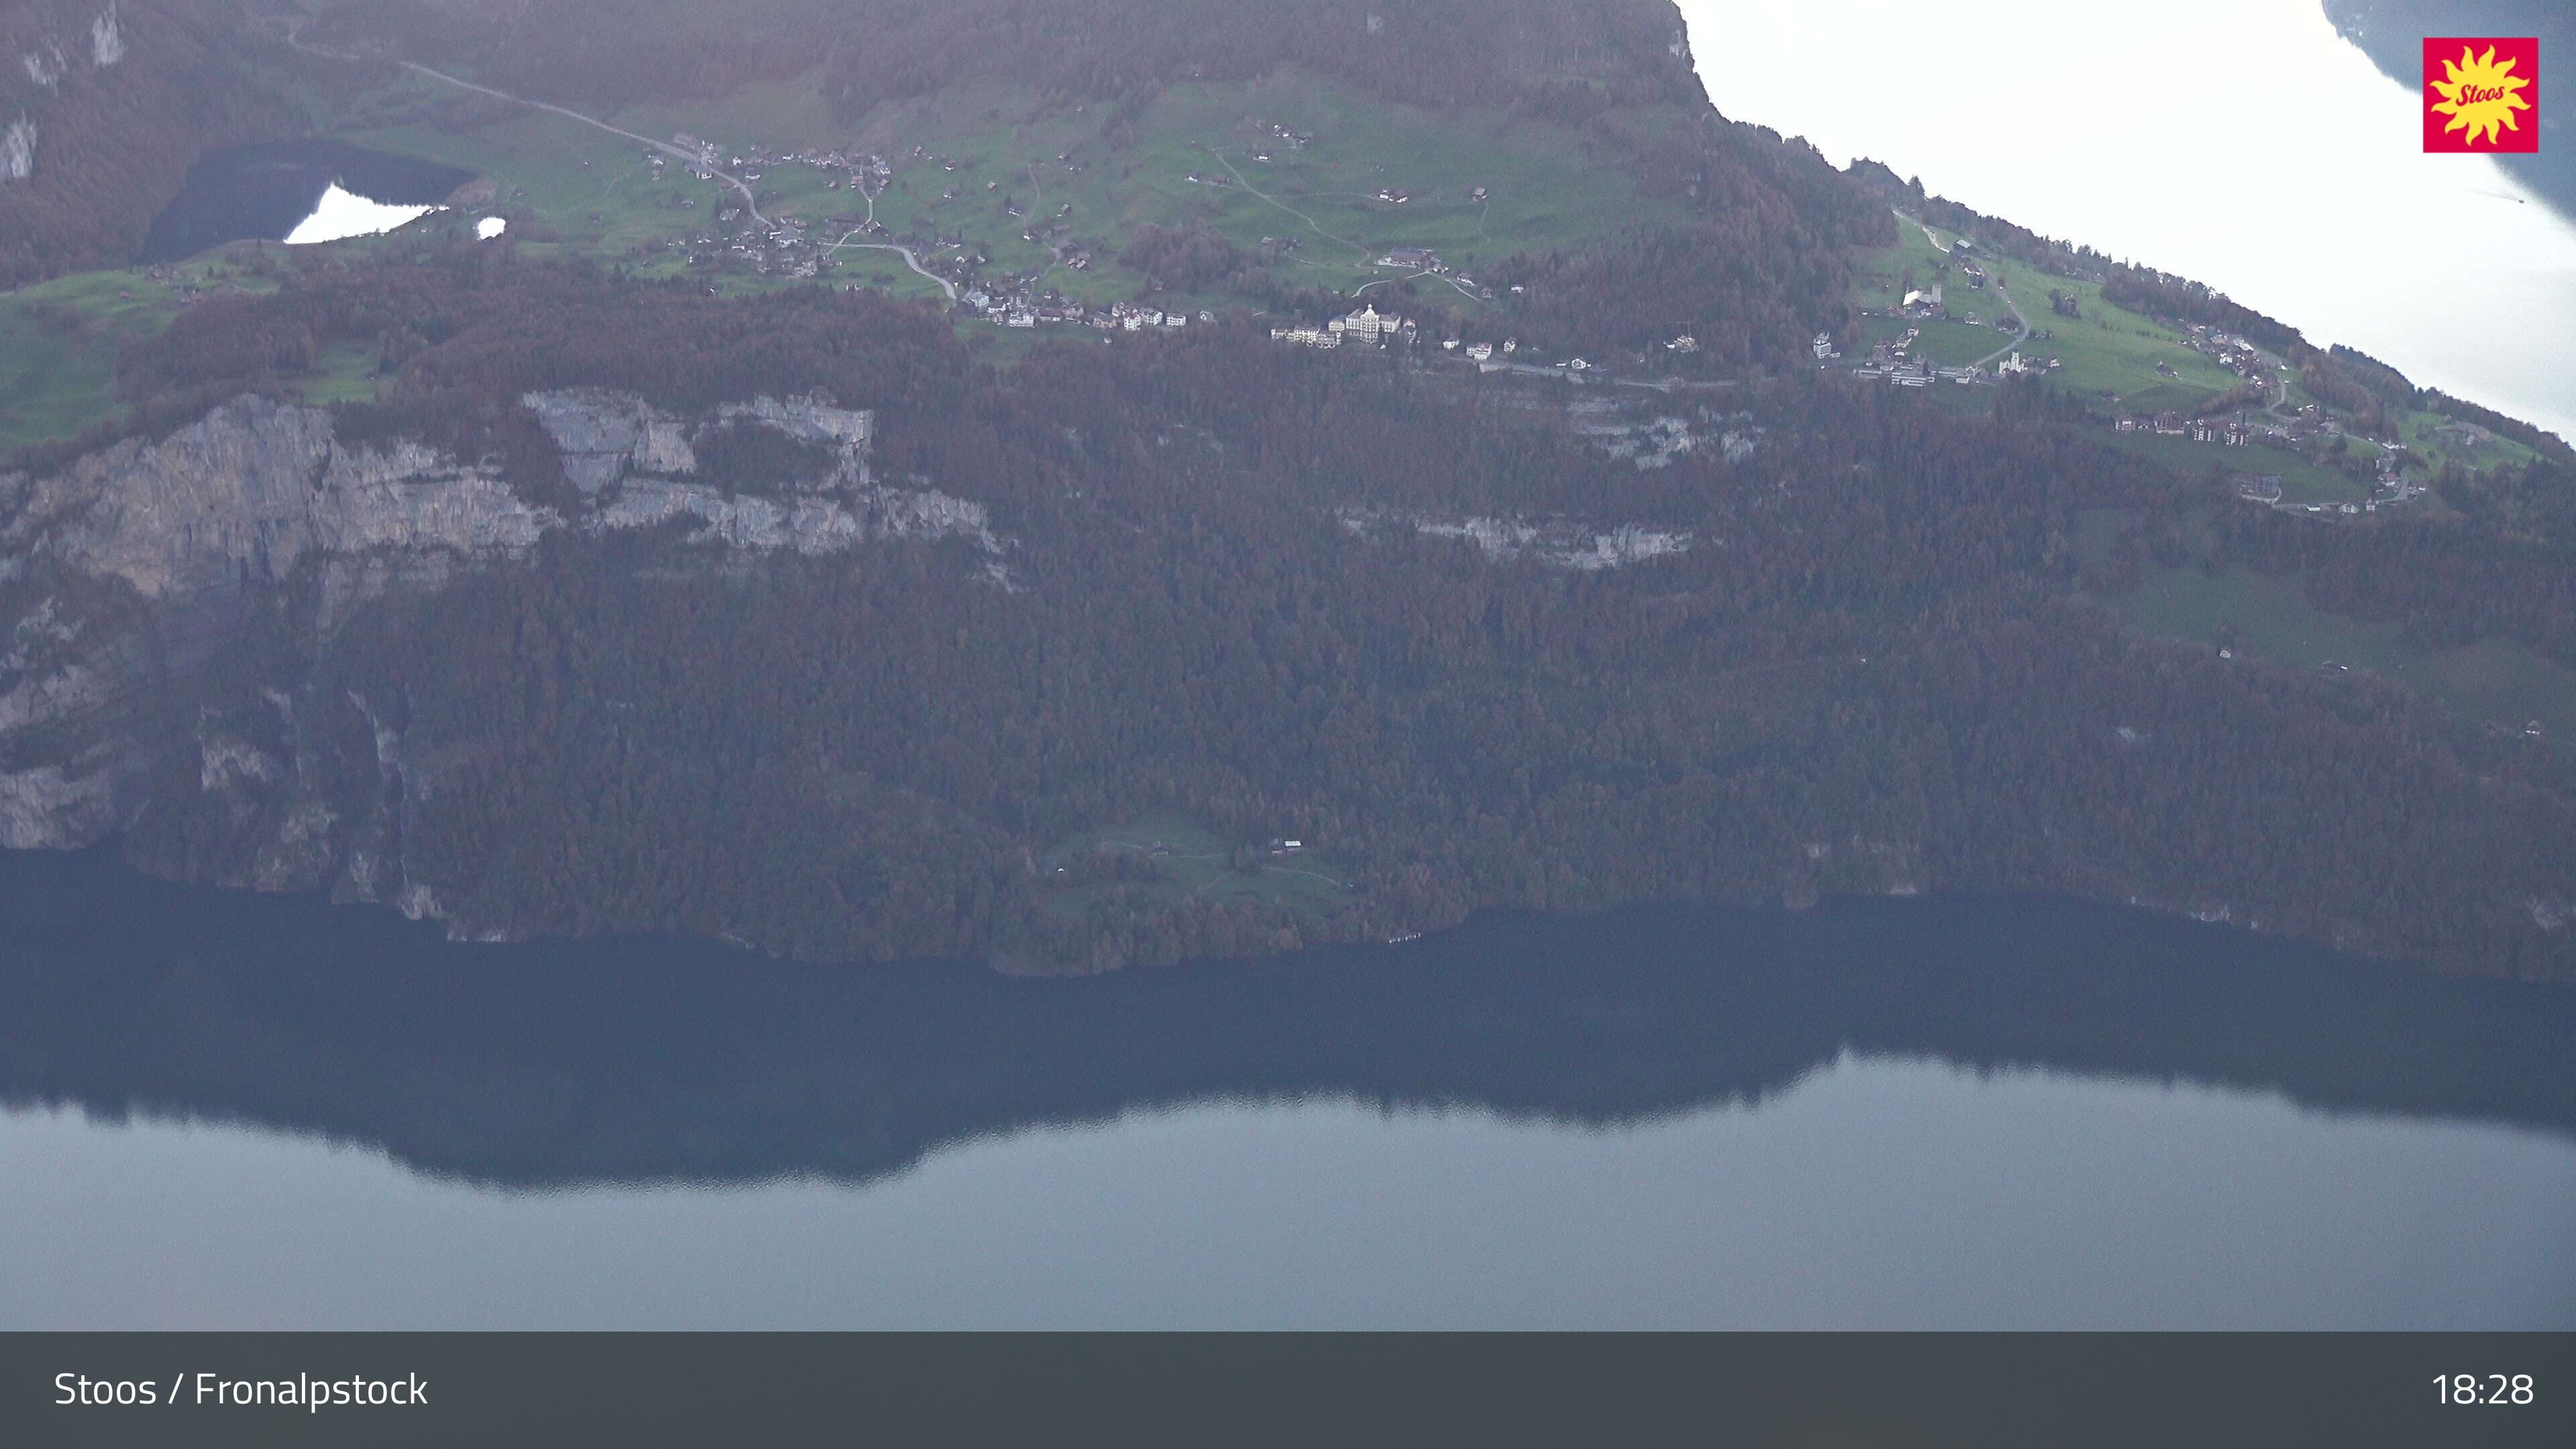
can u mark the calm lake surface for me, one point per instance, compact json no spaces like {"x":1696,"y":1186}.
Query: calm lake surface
{"x":229,"y":1111}
{"x":300,"y":190}
{"x":2243,"y":143}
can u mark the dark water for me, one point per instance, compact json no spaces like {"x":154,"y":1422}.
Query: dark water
{"x":260,"y":191}
{"x":225,"y":1110}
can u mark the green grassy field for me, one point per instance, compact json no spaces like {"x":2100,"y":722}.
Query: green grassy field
{"x":1194,"y":863}
{"x":991,"y":149}
{"x":2107,"y":349}
{"x":59,"y":341}
{"x":2302,"y":481}
{"x":2416,"y":429}
{"x":2493,"y":681}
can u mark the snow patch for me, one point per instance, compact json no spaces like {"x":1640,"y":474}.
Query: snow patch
{"x":341,"y":214}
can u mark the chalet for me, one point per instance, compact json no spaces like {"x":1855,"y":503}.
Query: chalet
{"x":1688,"y":343}
{"x":1418,"y":257}
{"x":2169,"y":424}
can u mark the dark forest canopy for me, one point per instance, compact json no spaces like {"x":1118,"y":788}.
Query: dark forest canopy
{"x":119,"y":115}
{"x":1872,"y":667}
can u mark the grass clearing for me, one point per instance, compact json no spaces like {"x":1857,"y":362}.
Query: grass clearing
{"x":58,"y":346}
{"x":2302,"y":479}
{"x":2107,"y":355}
{"x":1175,"y":859}
{"x":2493,"y":681}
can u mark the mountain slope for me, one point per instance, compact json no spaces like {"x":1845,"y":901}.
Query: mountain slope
{"x":565,"y":583}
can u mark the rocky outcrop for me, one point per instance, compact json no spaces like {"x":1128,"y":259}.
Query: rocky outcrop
{"x":252,"y":489}
{"x":18,"y":150}
{"x":1555,"y":543}
{"x":123,"y":575}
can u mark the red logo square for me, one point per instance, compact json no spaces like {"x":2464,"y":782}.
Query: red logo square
{"x":2481,"y":93}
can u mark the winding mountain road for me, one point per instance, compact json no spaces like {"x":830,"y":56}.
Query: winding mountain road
{"x":945,"y":286}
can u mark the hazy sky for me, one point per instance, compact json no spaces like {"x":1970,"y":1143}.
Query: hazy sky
{"x":2239,"y":142}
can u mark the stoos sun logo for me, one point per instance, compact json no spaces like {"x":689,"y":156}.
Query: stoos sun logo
{"x":2481,"y":93}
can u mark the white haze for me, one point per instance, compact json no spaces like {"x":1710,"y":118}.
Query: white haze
{"x":2242,"y":143}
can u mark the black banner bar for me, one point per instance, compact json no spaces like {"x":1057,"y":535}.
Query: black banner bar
{"x":1985,"y":1391}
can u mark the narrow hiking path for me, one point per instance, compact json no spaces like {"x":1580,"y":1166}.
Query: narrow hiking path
{"x":1246,"y":183}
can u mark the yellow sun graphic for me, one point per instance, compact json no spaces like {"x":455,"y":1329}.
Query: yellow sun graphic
{"x":2480,"y":95}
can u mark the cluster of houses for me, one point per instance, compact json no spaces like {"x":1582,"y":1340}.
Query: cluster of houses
{"x":857,"y":168}
{"x":2393,"y":485}
{"x":2227,"y":350}
{"x":1423,"y":259}
{"x":1059,"y":311}
{"x":1890,"y":362}
{"x":2228,"y":431}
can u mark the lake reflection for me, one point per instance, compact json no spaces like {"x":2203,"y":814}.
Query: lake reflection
{"x":1963,"y":1112}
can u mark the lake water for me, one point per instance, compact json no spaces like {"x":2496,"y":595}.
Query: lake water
{"x":231,"y":1111}
{"x":2243,"y":143}
{"x":296,"y":191}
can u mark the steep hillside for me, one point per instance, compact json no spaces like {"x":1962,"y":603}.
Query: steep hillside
{"x":102,"y":108}
{"x":1100,"y":483}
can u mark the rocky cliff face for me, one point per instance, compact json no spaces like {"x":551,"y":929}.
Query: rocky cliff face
{"x":125,"y":577}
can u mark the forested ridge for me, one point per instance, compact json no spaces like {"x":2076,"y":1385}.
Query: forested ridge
{"x":1872,"y":667}
{"x":1446,"y":628}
